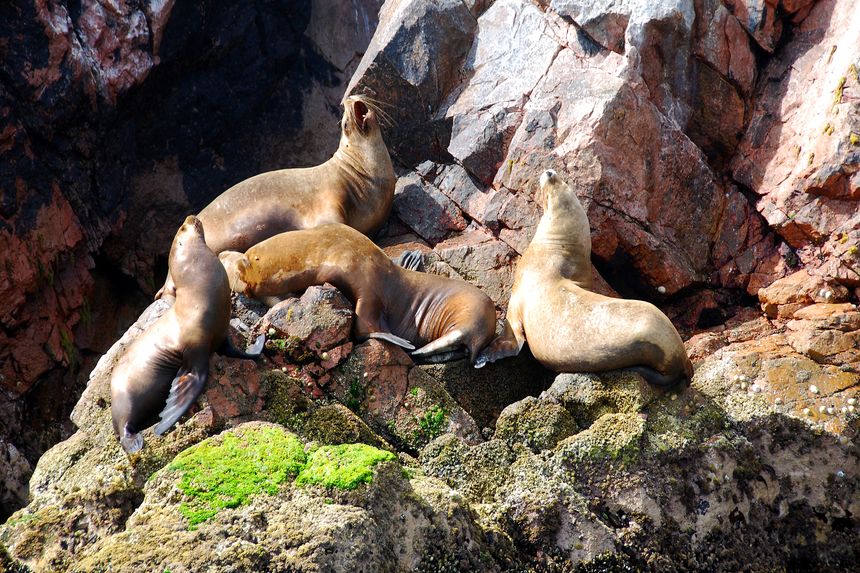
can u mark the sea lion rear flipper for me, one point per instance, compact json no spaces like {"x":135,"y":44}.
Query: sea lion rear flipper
{"x":131,"y":442}
{"x":388,"y":337}
{"x":654,"y":377}
{"x":253,"y":351}
{"x":183,"y":391}
{"x":441,"y":358}
{"x":505,"y":345}
{"x":410,"y":260}
{"x":442,"y":344}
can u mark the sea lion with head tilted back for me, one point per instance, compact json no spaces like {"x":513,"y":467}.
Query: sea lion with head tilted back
{"x":446,"y":318}
{"x":165,"y":368}
{"x":569,"y":328}
{"x":355,"y":187}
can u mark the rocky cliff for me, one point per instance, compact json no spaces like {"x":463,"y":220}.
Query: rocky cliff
{"x":714,"y":145}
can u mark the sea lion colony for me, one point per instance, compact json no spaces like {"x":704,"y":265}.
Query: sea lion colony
{"x":282,"y":231}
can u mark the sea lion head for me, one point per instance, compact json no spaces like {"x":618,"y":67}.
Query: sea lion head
{"x":360,"y":121}
{"x":235,"y":264}
{"x":555,"y":195}
{"x":189,"y":247}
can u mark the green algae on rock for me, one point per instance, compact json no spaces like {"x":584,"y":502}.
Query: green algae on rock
{"x":344,"y":466}
{"x":226,"y":472}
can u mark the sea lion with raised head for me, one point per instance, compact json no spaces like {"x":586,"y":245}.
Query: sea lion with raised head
{"x":569,"y":328}
{"x":354,"y":187}
{"x":165,"y":368}
{"x":445,"y":318}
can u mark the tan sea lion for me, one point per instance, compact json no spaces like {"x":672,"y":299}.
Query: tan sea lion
{"x":443,"y":317}
{"x":569,"y":328}
{"x":165,"y":368}
{"x":355,"y":187}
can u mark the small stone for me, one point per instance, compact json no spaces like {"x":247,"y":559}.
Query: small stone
{"x":778,"y":401}
{"x":850,"y":409}
{"x":852,"y":401}
{"x":324,"y":355}
{"x":813,"y":388}
{"x":283,"y":368}
{"x":272,"y":332}
{"x":661,"y":289}
{"x":365,"y":374}
{"x":843,"y":440}
{"x":755,"y":388}
{"x":821,"y":409}
{"x":743,"y":385}
{"x":844,"y":409}
{"x":831,"y":410}
{"x":673,"y":397}
{"x":840,"y":474}
{"x":807,"y":412}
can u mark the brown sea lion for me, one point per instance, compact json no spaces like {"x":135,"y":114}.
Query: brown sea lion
{"x":443,"y":317}
{"x":165,"y":368}
{"x":355,"y":187}
{"x":569,"y":328}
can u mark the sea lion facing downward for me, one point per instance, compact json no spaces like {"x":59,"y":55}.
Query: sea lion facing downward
{"x":354,"y":187}
{"x":571,"y":329}
{"x":166,"y":367}
{"x":438,"y":314}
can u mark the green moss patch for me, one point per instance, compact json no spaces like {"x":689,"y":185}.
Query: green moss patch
{"x":225,"y":473}
{"x":344,"y":466}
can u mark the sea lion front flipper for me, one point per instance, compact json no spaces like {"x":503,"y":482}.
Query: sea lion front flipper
{"x":388,"y":337}
{"x":183,"y":391}
{"x":410,"y":260}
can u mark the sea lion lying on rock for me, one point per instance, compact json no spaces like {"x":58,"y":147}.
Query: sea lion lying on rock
{"x":165,"y":368}
{"x":444,"y":317}
{"x":355,"y":187}
{"x":569,"y":328}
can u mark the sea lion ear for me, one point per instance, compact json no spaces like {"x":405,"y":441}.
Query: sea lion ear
{"x":361,"y":113}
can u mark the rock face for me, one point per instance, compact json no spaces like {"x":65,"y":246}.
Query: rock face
{"x":714,"y":145}
{"x":116,"y":120}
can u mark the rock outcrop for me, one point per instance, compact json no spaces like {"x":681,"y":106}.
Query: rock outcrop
{"x":714,"y":145}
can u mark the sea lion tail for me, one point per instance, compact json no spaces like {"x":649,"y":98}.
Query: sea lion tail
{"x":656,"y":378}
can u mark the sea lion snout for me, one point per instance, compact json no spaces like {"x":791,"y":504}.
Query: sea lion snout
{"x":546,"y":176}
{"x":195,"y":223}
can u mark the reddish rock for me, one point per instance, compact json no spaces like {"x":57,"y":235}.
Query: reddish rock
{"x":483,"y":260}
{"x":782,"y":298}
{"x":318,"y":321}
{"x":798,"y":155}
{"x":425,"y":210}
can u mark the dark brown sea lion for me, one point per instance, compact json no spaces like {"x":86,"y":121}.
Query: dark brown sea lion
{"x":355,"y":187}
{"x":165,"y":368}
{"x":569,"y":328}
{"x":442,"y":316}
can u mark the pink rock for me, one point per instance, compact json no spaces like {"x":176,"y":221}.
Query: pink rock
{"x":787,"y":295}
{"x":425,"y":209}
{"x":798,"y":153}
{"x":318,"y":321}
{"x":483,"y":260}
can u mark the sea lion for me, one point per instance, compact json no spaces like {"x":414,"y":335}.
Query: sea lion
{"x":165,"y":368}
{"x":355,"y":187}
{"x":444,"y":317}
{"x":569,"y":328}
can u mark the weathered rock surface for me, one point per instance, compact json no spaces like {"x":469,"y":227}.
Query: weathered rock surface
{"x":116,"y":120}
{"x":714,"y":146}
